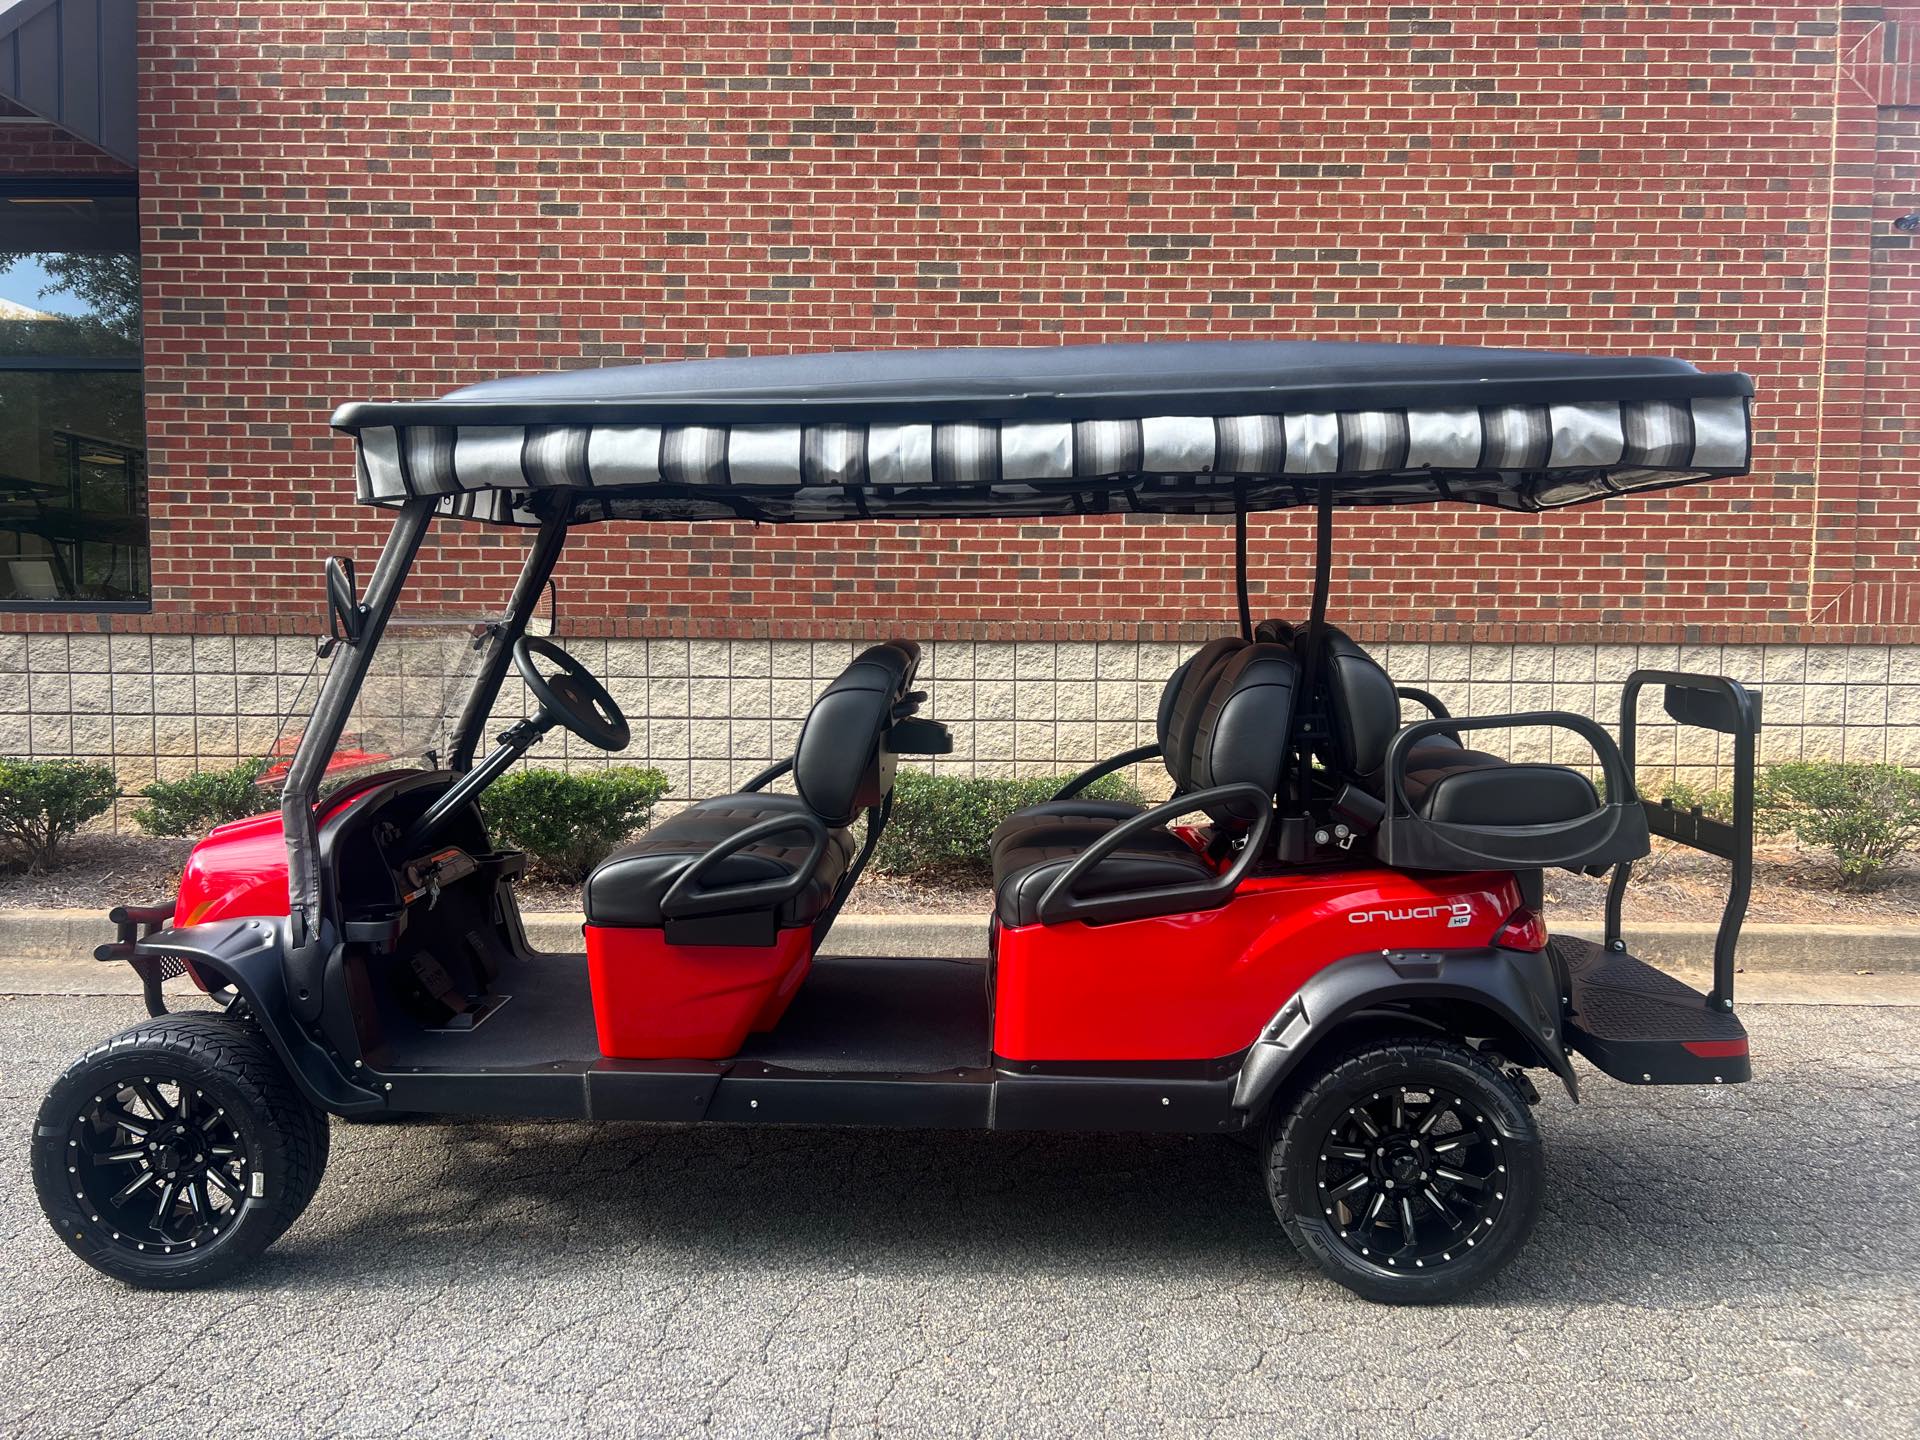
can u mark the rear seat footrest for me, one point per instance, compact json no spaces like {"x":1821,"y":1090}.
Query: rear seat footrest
{"x":1641,"y":1025}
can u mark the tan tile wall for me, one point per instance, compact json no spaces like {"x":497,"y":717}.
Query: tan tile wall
{"x":711,"y":712}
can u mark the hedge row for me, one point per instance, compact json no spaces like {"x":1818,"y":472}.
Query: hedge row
{"x":1866,"y":816}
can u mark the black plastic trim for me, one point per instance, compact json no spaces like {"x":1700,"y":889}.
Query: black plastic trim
{"x":1516,"y":986}
{"x":248,"y":954}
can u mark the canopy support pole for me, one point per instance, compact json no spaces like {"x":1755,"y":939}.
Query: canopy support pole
{"x":1316,"y":625}
{"x":1240,"y":560}
{"x":307,"y":938}
{"x":542,"y":555}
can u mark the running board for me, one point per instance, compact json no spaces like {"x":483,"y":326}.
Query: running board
{"x":1641,"y":1025}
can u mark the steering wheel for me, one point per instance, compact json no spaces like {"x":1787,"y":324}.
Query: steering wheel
{"x":573,"y":697}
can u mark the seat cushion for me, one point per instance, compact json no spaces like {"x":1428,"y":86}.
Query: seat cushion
{"x":1087,"y":815}
{"x":1033,"y":859}
{"x":1471,"y":788}
{"x":627,"y":887}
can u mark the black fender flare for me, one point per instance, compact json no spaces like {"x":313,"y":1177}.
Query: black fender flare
{"x":249,"y":954}
{"x":1517,"y":986}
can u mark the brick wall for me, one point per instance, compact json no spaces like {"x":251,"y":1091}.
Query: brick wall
{"x":363,"y":199}
{"x":353,"y":200}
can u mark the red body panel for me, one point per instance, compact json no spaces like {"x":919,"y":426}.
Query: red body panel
{"x":1197,"y":987}
{"x":655,"y":1001}
{"x":240,"y":869}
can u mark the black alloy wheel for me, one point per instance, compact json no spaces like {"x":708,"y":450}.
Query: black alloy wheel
{"x":1412,"y":1176}
{"x":173,"y":1154}
{"x":158,"y":1164}
{"x":1410,"y":1171}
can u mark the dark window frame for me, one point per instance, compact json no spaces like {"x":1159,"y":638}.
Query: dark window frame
{"x":81,"y":186}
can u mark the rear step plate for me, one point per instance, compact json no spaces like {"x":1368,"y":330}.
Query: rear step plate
{"x":1643,"y":1026}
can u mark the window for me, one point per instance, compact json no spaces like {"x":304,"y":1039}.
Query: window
{"x":73,"y":448}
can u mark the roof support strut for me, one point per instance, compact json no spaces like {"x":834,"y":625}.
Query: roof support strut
{"x":337,"y":694}
{"x":1240,"y":560}
{"x":541,"y":558}
{"x":1317,"y":622}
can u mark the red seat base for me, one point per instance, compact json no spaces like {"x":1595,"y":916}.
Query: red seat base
{"x":655,"y":1001}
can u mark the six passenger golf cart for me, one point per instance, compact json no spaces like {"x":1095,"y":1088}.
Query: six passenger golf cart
{"x":1330,"y":939}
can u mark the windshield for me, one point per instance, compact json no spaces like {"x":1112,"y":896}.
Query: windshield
{"x":419,"y":675}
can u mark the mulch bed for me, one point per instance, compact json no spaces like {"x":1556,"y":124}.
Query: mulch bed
{"x":1673,"y":884}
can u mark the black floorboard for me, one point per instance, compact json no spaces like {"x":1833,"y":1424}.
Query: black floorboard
{"x":882,"y":1013}
{"x":547,"y":1016}
{"x":858,"y":1013}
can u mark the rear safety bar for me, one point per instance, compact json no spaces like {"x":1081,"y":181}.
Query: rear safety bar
{"x":1429,"y":702}
{"x":1063,"y":903}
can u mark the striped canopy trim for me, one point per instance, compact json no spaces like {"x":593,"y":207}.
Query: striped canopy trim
{"x":1517,"y":457}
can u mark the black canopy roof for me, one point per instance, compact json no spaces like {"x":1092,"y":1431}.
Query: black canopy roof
{"x":1173,"y":427}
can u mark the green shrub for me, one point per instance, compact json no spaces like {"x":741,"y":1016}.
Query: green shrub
{"x":941,"y":824}
{"x":1715,"y":803}
{"x":42,"y":802}
{"x":204,"y":799}
{"x":1867,"y":816}
{"x":568,"y":821}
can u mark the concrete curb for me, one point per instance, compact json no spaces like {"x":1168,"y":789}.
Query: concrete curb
{"x":1783,"y":949}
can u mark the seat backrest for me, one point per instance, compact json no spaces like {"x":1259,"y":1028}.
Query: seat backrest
{"x":840,"y":765}
{"x":1183,"y":701}
{"x":1363,"y":708}
{"x":1245,"y":724}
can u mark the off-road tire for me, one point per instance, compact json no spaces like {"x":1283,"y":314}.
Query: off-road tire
{"x":1296,"y":1132}
{"x":285,"y":1140}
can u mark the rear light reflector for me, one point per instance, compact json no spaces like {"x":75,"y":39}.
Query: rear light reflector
{"x":1525,"y":930}
{"x":1714,"y":1049}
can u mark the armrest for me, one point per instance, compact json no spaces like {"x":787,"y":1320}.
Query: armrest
{"x":684,"y":899}
{"x":1106,"y":767}
{"x":1060,"y":904}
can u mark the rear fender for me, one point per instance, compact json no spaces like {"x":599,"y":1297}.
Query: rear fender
{"x":249,"y":954}
{"x":1515,"y":987}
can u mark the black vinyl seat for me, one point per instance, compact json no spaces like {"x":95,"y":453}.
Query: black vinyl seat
{"x":1239,"y":725}
{"x":841,"y":769}
{"x":627,"y":887}
{"x":1181,"y":701}
{"x":1025,"y":867}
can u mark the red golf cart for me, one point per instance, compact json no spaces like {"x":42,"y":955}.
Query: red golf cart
{"x":1330,"y":939}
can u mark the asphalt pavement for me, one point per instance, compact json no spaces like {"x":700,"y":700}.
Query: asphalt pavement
{"x":1727,"y":1262}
